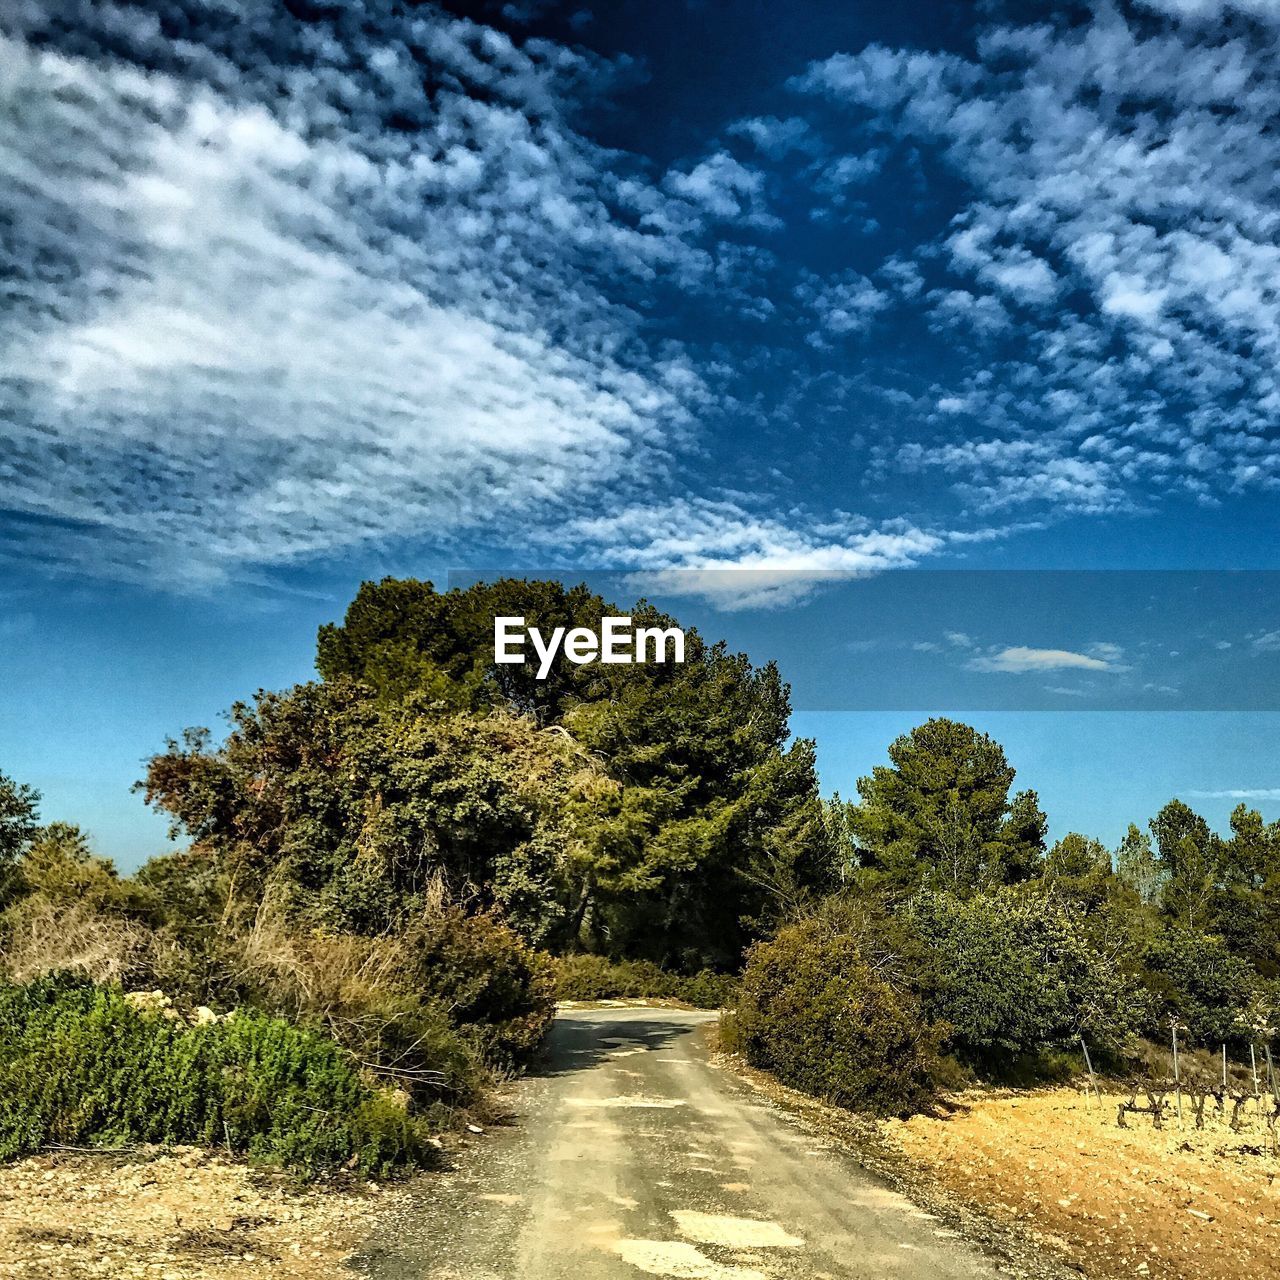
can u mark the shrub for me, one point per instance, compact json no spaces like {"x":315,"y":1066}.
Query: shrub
{"x":364,"y":994}
{"x":1018,"y":975}
{"x":80,"y":1064}
{"x":592,"y":977}
{"x":817,"y":1008}
{"x":498,"y":990}
{"x":707,"y":989}
{"x":1195,"y":978}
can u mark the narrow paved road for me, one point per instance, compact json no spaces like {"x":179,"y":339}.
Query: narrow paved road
{"x":632,"y":1155}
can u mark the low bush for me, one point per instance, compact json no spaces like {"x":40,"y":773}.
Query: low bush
{"x":81,"y":1064}
{"x":427,"y":1007}
{"x":818,"y":1009}
{"x":362,"y":992}
{"x":592,"y":977}
{"x":498,"y":991}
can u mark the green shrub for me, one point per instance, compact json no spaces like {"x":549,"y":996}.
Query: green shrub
{"x":1195,"y":978}
{"x":82,"y":1065}
{"x":365,"y":993}
{"x":427,"y":1007}
{"x":707,"y":989}
{"x":817,"y":1009}
{"x":498,"y":990}
{"x":1018,"y":975}
{"x":592,"y":977}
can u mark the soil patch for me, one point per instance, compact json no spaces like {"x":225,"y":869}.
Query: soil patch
{"x":1175,"y":1202}
{"x":174,"y":1215}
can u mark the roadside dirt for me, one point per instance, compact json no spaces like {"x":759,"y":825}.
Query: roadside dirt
{"x":179,"y":1215}
{"x":1172,"y":1203}
{"x":1049,"y":1182}
{"x":1022,"y":1252}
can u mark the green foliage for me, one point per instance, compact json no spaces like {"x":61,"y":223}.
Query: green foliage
{"x":426,"y":1007}
{"x":80,"y":1065}
{"x":591,"y":977}
{"x":1079,"y":869}
{"x":361,"y":806}
{"x":1196,"y":979}
{"x":1137,"y":866}
{"x":819,"y":1007}
{"x":374,"y":857}
{"x":1018,"y":974}
{"x":1192,"y":858}
{"x":652,"y":811}
{"x":58,"y":863}
{"x":940,"y":814}
{"x":496,"y":988}
{"x":19,"y":818}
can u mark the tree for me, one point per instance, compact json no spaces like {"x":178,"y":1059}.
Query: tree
{"x":1247,"y":904}
{"x":1138,"y":867}
{"x":1016,"y":972}
{"x":650,"y":810}
{"x":402,"y":636}
{"x":1079,"y":868}
{"x":838,"y":817}
{"x":1192,"y":860}
{"x":941,"y":812}
{"x":19,"y":818}
{"x":361,"y":805}
{"x":1196,"y":978}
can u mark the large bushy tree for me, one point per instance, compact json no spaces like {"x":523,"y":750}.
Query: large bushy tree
{"x":653,"y":810}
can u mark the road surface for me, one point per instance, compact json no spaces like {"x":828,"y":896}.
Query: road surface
{"x":631,"y":1155}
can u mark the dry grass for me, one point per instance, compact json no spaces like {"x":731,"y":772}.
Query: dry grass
{"x":46,"y":936}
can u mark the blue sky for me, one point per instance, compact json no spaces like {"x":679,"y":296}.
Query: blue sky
{"x":301,"y":294}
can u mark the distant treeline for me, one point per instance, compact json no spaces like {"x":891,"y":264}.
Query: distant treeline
{"x":959,"y":943}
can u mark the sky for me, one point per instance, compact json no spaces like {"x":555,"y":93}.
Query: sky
{"x":956,"y":296}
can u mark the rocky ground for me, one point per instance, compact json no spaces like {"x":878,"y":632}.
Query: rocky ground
{"x":1048,"y":1182}
{"x":1176,"y":1202}
{"x":177,"y":1215}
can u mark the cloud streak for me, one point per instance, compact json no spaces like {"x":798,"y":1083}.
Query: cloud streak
{"x":1239,"y":793}
{"x":1023,"y":660}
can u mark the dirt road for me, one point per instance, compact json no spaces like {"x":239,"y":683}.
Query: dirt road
{"x":633,"y":1155}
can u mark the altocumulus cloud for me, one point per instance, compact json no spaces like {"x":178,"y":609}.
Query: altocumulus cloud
{"x":245,"y":333}
{"x":1119,"y":230}
{"x":277,"y":291}
{"x":280,"y":290}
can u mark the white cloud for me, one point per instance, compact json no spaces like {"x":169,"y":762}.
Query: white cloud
{"x":1021,"y":660}
{"x":721,"y":551}
{"x":1213,"y":10}
{"x":776,"y":138}
{"x":725,"y":188}
{"x":844,"y":304}
{"x":1118,"y":174}
{"x":1240,"y":793}
{"x":249,"y":325}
